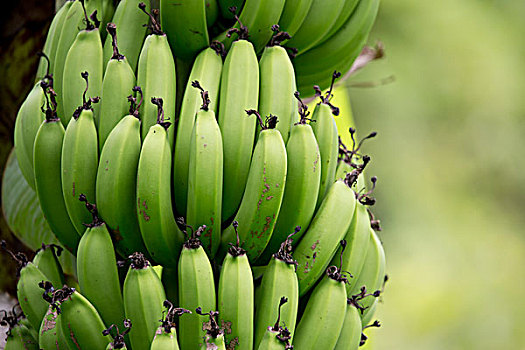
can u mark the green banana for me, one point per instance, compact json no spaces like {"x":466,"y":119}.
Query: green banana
{"x":46,"y":260}
{"x":372,"y":274}
{"x":214,"y":338}
{"x":119,"y":79}
{"x":85,"y":55}
{"x":302,"y":183}
{"x":347,"y":10}
{"x":50,"y":334}
{"x":258,"y":17}
{"x":236,"y":293}
{"x":262,"y":198}
{"x":207,"y":70}
{"x":186,"y":26}
{"x":196,"y":289}
{"x":79,"y":160}
{"x":46,"y":162}
{"x":119,"y":338}
{"x":129,"y":20}
{"x":166,"y":335}
{"x":277,"y":83}
{"x":27,"y":291}
{"x":239,"y":92}
{"x":28,"y":121}
{"x":350,"y":335}
{"x":338,"y":52}
{"x":325,"y":131}
{"x":294,"y":14}
{"x":70,"y":29}
{"x":156,"y":76}
{"x":157,"y":224}
{"x":279,"y":279}
{"x":324,"y":315}
{"x":108,"y":11}
{"x":97,"y":268}
{"x":212,"y":12}
{"x":321,"y":16}
{"x":19,"y":336}
{"x":143,"y":299}
{"x":116,"y":184}
{"x":50,"y":46}
{"x":170,"y":281}
{"x":328,"y":227}
{"x":80,"y":322}
{"x":276,"y":337}
{"x":205,"y":176}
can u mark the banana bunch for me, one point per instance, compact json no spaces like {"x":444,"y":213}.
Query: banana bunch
{"x":207,"y":207}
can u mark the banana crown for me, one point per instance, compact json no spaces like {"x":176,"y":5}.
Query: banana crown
{"x":86,"y":104}
{"x":242,"y":31}
{"x":112,"y":30}
{"x":285,"y":250}
{"x":269,"y":123}
{"x":11,"y":318}
{"x":118,"y":337}
{"x":211,"y":327}
{"x":283,"y":334}
{"x":153,"y":15}
{"x":172,"y":312}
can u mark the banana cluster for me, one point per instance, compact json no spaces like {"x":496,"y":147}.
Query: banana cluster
{"x":188,"y":156}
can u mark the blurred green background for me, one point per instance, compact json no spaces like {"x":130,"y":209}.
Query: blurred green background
{"x":449,"y":157}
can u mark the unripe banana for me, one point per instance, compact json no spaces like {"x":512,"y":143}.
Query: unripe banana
{"x":143,"y":299}
{"x":70,"y":29}
{"x":372,"y":274}
{"x":80,"y":322}
{"x":47,"y":165}
{"x":329,"y":226}
{"x":119,"y":338}
{"x":324,"y":315}
{"x":279,"y":279}
{"x":239,"y":92}
{"x":85,"y":55}
{"x":129,"y":20}
{"x":302,"y":184}
{"x":321,"y":16}
{"x":277,"y":85}
{"x":51,"y":44}
{"x":214,"y":338}
{"x":236,"y":298}
{"x":166,"y":335}
{"x":294,"y":14}
{"x":116,"y":184}
{"x":325,"y":131}
{"x":156,"y":76}
{"x":370,"y":313}
{"x":119,"y":79}
{"x":19,"y":337}
{"x":170,"y":281}
{"x":185,"y":24}
{"x":205,"y":176}
{"x":51,"y":336}
{"x":196,"y":289}
{"x":348,"y":7}
{"x":79,"y":161}
{"x":97,"y":269}
{"x":206,"y":70}
{"x":28,"y":292}
{"x":262,"y":198}
{"x":276,"y":337}
{"x":28,"y":121}
{"x":160,"y":233}
{"x":350,"y":335}
{"x":46,"y":260}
